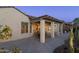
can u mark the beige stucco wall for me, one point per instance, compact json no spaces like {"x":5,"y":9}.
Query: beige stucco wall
{"x":13,"y":18}
{"x":59,"y":28}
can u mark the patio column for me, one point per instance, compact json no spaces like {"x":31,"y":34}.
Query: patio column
{"x":42,"y":31}
{"x":32,"y":28}
{"x":28,"y":27}
{"x":52,"y":30}
{"x":61,"y":29}
{"x":58,"y":29}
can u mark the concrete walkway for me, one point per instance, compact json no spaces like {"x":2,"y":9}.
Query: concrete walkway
{"x":32,"y":45}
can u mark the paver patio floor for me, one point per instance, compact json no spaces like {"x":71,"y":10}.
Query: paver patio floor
{"x":32,"y":45}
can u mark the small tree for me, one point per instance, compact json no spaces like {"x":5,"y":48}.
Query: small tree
{"x":76,"y":20}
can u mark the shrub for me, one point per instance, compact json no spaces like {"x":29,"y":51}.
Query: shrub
{"x":15,"y":49}
{"x":5,"y":32}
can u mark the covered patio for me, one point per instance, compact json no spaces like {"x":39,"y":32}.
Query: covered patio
{"x":46,"y":29}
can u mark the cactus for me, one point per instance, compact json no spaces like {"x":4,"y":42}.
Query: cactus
{"x":71,"y":43}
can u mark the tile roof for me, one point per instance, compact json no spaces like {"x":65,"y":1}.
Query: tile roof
{"x":50,"y":18}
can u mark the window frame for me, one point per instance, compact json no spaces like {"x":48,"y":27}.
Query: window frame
{"x":25,"y":29}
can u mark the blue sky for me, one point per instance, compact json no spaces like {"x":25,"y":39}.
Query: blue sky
{"x":66,"y":13}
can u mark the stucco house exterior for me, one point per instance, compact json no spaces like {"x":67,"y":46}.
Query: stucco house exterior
{"x":47,"y":26}
{"x":13,"y":18}
{"x":24,"y":26}
{"x":67,"y":26}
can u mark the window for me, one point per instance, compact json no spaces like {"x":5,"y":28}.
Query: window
{"x":24,"y":27}
{"x":30,"y":27}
